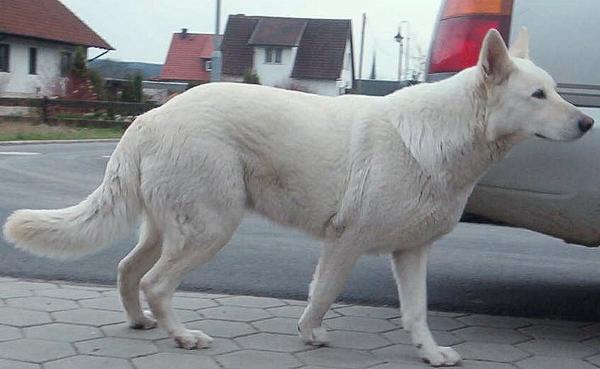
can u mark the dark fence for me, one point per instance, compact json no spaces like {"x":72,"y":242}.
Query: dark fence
{"x":73,"y":112}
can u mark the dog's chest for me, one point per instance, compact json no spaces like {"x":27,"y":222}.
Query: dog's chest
{"x":425,"y":223}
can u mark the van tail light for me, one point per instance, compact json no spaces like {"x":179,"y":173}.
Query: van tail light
{"x":461,"y":28}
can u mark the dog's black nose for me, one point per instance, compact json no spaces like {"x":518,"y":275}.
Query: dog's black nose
{"x":586,"y":123}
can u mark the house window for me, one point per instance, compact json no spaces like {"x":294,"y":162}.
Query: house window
{"x":273,"y":55}
{"x":208,"y":65}
{"x":32,"y":60}
{"x":4,"y":56}
{"x":65,"y":63}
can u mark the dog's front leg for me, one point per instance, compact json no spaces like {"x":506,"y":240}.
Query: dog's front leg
{"x":410,"y":270}
{"x":335,"y":264}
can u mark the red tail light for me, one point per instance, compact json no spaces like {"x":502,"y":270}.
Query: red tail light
{"x":461,"y":29}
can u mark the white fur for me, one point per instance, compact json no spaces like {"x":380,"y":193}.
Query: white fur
{"x":365,"y":174}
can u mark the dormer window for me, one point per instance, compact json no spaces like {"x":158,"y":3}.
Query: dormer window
{"x":273,"y":55}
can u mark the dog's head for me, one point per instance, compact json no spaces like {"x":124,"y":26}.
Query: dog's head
{"x":522,"y":98}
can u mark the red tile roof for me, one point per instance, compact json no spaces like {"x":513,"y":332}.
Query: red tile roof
{"x":186,"y":57}
{"x":47,"y":20}
{"x":320,"y":51}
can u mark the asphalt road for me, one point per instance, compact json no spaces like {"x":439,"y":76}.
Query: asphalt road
{"x":477,"y":268}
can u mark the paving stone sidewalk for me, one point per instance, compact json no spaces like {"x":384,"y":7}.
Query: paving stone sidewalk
{"x":56,"y":325}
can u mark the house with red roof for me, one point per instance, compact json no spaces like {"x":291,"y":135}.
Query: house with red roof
{"x":189,"y":58}
{"x":307,"y":54}
{"x":38,"y":39}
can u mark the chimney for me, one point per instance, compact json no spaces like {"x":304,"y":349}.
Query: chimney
{"x":183,"y":33}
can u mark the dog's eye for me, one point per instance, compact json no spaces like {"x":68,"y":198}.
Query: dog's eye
{"x":539,"y":94}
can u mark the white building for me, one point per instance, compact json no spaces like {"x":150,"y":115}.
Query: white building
{"x":38,"y":39}
{"x":312,"y":55}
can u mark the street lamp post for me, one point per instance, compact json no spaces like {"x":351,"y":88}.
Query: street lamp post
{"x":399,"y":39}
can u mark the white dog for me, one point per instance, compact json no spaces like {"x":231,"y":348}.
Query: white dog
{"x":365,"y":174}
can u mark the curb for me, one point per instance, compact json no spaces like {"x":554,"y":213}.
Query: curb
{"x":45,"y":142}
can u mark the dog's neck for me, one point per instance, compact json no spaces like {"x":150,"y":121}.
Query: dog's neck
{"x":448,"y":136}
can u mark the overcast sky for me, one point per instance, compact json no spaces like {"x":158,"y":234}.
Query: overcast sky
{"x":141,"y":30}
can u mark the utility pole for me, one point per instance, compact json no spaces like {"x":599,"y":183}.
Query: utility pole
{"x":217,"y":56}
{"x":362,"y":46}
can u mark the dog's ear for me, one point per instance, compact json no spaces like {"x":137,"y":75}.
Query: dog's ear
{"x":520,"y":47}
{"x":494,"y":61}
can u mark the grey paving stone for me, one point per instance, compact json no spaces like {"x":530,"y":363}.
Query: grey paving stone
{"x":442,"y":337}
{"x":10,"y":293}
{"x":557,"y":323}
{"x":488,"y":334}
{"x":7,"y":279}
{"x":574,"y":350}
{"x":278,"y":325}
{"x":556,"y":333}
{"x":11,"y":364}
{"x":252,"y":359}
{"x":235,"y":313}
{"x":356,"y":340}
{"x":187,"y":315}
{"x":22,"y":318}
{"x":272,"y":342}
{"x":404,"y":366}
{"x":190,"y":303}
{"x":62,"y":332}
{"x":41,"y":303}
{"x":490,"y":351}
{"x":472,"y":364}
{"x":103,"y":303}
{"x":9,"y":333}
{"x":37,"y":351}
{"x":218,"y":346}
{"x":174,"y":361}
{"x":447,"y":314}
{"x":443,"y":323}
{"x":88,"y":362}
{"x":295,"y":302}
{"x":542,"y":362}
{"x":369,"y":312}
{"x":69,"y":293}
{"x":124,"y":331}
{"x":116,"y":347}
{"x":89,"y":288}
{"x":398,"y":354}
{"x":26,"y":285}
{"x":250,"y":301}
{"x":494,"y":321}
{"x":338,"y":358}
{"x":369,"y":325}
{"x":594,"y":360}
{"x":222,"y":328}
{"x":295,"y":311}
{"x":89,"y":316}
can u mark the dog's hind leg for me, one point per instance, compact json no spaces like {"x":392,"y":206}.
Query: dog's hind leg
{"x":335,"y":264}
{"x":131,"y":270}
{"x":184,"y":247}
{"x":410,"y":270}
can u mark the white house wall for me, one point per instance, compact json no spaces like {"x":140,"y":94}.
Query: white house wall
{"x":272,"y":74}
{"x":18,"y":81}
{"x":320,"y":87}
{"x":348,"y":67}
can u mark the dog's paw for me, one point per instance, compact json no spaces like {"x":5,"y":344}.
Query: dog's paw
{"x":192,"y":340}
{"x":314,"y":336}
{"x":440,"y":356}
{"x":147,"y":322}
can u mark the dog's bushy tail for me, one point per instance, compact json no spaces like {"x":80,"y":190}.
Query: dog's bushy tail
{"x":90,"y":225}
